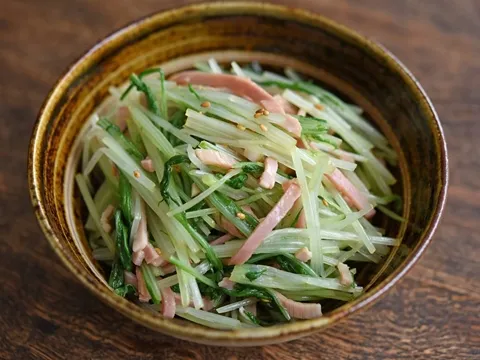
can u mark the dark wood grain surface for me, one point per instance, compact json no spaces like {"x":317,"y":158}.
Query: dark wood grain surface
{"x":433,"y":313}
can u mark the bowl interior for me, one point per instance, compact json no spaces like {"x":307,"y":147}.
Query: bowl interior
{"x":358,"y":70}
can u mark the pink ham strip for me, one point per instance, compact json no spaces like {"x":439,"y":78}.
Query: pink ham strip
{"x":137,"y":257}
{"x":122,"y":116}
{"x":143,"y":294}
{"x":238,"y":85}
{"x":152,"y":257}
{"x":348,"y":190}
{"x":268,"y":224}
{"x":249,"y":210}
{"x":215,"y":158}
{"x":147,"y":165}
{"x":290,"y":124}
{"x":169,"y":269}
{"x":226,"y":283}
{"x":228,"y":227}
{"x":140,"y":240}
{"x":222,"y":239}
{"x":207,"y":304}
{"x":303,"y":254}
{"x":267,"y":180}
{"x":242,"y":87}
{"x":287,"y":107}
{"x":168,"y":303}
{"x":130,"y":278}
{"x":300,"y":310}
{"x":302,"y":220}
{"x":106,"y":218}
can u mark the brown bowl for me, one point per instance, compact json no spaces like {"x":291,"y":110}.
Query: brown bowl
{"x":358,"y":69}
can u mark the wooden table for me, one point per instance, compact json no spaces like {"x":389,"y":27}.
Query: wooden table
{"x":432,"y":313}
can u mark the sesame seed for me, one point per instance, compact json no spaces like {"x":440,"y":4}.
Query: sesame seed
{"x":266,"y":112}
{"x":159,"y":252}
{"x":324,"y":202}
{"x":263,"y":127}
{"x":205,"y":104}
{"x":241,"y":216}
{"x":319,"y":106}
{"x":241,"y":127}
{"x":136,"y":174}
{"x":257,"y":115}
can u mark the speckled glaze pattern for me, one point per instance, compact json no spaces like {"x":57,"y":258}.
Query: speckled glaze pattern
{"x":355,"y":67}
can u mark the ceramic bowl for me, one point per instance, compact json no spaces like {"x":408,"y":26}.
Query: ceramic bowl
{"x":356,"y":68}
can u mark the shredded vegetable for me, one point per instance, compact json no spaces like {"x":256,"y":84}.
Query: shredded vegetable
{"x":246,"y":195}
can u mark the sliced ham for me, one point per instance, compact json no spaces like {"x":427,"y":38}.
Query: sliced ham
{"x":303,"y":254}
{"x":207,"y":303}
{"x":238,"y":85}
{"x":152,"y":257}
{"x":222,"y":239}
{"x":348,"y":190}
{"x":215,"y":158}
{"x":267,"y":180}
{"x":249,"y":210}
{"x":346,"y":277}
{"x":242,"y":87}
{"x":287,"y":106}
{"x":226,"y":283}
{"x":228,"y":227}
{"x":137,"y":257}
{"x":106,"y":218}
{"x":300,"y":310}
{"x":143,"y":294}
{"x":278,"y":212}
{"x":168,"y":303}
{"x":301,"y":221}
{"x":140,"y":241}
{"x":130,"y":278}
{"x":169,"y":269}
{"x":147,"y":165}
{"x":123,"y":114}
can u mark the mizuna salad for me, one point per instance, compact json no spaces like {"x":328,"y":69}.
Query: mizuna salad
{"x":234,"y":197}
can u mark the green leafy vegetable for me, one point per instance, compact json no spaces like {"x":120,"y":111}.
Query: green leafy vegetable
{"x":236,"y":182}
{"x":312,"y":127}
{"x":116,"y":279}
{"x":229,"y":210}
{"x":192,"y":90}
{"x":151,"y":283}
{"x":123,"y":247}
{"x":136,"y":82}
{"x":254,"y":275}
{"x":253,"y":168}
{"x":174,"y":160}
{"x":290,"y":263}
{"x":252,"y":317}
{"x":125,"y":290}
{"x":125,"y":197}
{"x":209,"y":253}
{"x":117,"y":134}
{"x":264,"y":294}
